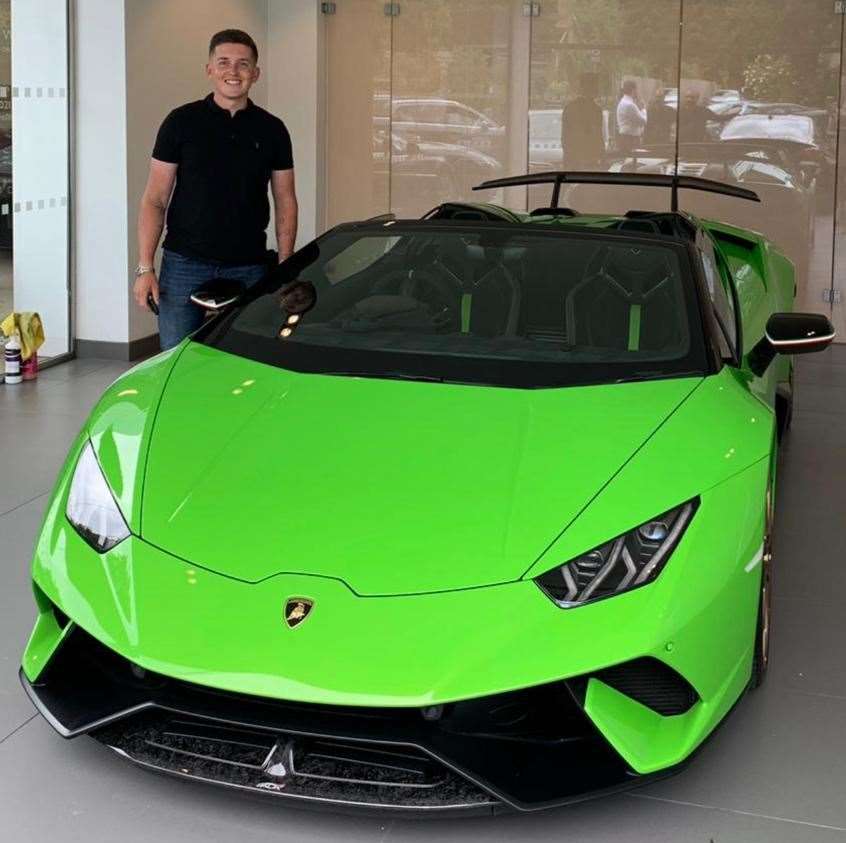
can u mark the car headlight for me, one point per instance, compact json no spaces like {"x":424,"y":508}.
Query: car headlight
{"x":626,"y":562}
{"x":91,"y":506}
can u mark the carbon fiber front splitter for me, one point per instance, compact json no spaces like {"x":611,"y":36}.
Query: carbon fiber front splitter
{"x":525,"y":750}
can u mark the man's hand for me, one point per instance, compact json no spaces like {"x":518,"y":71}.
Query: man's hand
{"x":145,"y":285}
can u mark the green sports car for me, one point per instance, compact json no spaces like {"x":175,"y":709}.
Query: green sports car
{"x":464,"y":513}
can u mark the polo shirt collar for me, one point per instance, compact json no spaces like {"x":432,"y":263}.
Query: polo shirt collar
{"x":213,"y":106}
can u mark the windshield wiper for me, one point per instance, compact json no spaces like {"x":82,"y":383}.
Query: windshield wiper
{"x":394,"y":376}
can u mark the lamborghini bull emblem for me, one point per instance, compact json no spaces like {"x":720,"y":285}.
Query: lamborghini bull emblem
{"x":297,"y":609}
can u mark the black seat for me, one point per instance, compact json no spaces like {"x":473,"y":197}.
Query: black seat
{"x":625,"y":301}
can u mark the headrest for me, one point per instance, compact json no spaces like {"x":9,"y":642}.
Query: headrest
{"x":487,"y":254}
{"x":640,"y":262}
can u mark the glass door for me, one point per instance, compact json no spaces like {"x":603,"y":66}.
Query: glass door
{"x":761,"y":112}
{"x":359,"y":140}
{"x":425,"y":100}
{"x":604,"y":74}
{"x":453,"y":101}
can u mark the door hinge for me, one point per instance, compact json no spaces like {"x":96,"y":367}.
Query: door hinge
{"x":832,"y":296}
{"x":328,"y":8}
{"x":392,"y":10}
{"x":533,"y":10}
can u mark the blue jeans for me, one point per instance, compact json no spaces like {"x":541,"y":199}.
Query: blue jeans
{"x":179,"y":277}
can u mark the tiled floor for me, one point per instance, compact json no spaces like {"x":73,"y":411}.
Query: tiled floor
{"x":775,"y":772}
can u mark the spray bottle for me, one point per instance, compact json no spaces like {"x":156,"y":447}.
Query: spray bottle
{"x":12,"y":357}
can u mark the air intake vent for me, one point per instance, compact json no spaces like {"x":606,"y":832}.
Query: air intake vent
{"x":651,"y":683}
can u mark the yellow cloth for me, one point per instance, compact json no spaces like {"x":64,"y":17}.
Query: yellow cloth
{"x":28,"y":327}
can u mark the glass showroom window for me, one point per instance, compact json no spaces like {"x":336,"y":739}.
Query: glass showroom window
{"x":34,"y":157}
{"x":450,"y":93}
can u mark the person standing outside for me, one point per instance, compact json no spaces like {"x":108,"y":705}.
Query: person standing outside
{"x":212,"y":162}
{"x":693,"y":119}
{"x":661,"y":121}
{"x":631,"y":117}
{"x":581,"y":127}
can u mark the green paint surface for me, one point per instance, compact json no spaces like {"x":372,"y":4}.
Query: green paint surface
{"x":415,"y":515}
{"x":466,"y":307}
{"x":634,"y":327}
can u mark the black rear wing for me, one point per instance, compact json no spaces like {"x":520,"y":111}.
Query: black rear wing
{"x":674,"y":182}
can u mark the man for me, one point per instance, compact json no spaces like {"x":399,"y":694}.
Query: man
{"x":581,"y":127}
{"x":631,"y":118}
{"x":693,"y":119}
{"x":211,"y":165}
{"x":661,"y":121}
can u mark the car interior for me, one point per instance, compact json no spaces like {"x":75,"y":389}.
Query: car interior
{"x":523,"y":294}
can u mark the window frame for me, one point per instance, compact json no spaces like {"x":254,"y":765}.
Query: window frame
{"x":704,"y":242}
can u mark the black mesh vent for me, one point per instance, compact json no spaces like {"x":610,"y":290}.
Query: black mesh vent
{"x":651,"y":683}
{"x":341,"y":771}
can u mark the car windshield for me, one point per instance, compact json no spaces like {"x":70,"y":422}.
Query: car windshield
{"x":484,"y":303}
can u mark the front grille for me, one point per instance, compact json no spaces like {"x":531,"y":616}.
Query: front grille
{"x":527,"y":749}
{"x":652,"y":683}
{"x":339,"y":771}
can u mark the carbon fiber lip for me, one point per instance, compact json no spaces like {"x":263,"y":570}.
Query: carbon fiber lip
{"x":337,"y":773}
{"x":525,"y":750}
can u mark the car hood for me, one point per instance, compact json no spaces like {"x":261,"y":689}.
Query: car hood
{"x":451,"y":150}
{"x":793,"y":127}
{"x":393,"y":487}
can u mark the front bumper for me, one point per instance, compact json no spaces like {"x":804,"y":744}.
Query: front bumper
{"x":211,"y":638}
{"x":523,"y":750}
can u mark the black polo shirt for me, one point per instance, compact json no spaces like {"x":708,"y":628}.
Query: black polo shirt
{"x":219,"y":209}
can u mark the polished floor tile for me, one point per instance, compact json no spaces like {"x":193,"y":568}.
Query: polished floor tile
{"x":17,"y":607}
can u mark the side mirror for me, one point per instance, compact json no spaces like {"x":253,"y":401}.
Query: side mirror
{"x":218,"y":295}
{"x":790,"y":333}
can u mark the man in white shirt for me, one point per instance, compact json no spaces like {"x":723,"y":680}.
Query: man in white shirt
{"x":631,"y":117}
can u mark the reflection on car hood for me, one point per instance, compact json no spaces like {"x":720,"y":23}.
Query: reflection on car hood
{"x":739,"y":171}
{"x":452,"y":150}
{"x":789,"y":127}
{"x":390,"y":486}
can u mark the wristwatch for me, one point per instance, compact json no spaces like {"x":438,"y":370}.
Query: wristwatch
{"x":143,"y":270}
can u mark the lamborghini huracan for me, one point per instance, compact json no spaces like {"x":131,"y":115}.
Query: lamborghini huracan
{"x":472,"y":512}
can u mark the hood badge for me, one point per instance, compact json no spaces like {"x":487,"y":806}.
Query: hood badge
{"x":297,"y":609}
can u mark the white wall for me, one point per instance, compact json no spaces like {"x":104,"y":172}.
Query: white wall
{"x":166,"y":53}
{"x":99,"y":195}
{"x":292,"y":66}
{"x":40,"y":166}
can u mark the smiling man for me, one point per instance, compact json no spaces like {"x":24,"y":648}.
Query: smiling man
{"x":211,"y":166}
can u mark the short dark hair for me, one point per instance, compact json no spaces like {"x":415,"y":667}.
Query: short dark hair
{"x":233,"y":36}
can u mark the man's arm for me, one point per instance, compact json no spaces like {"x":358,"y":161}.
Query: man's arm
{"x":285,"y":210}
{"x":151,"y":216}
